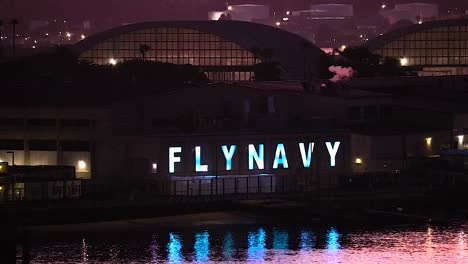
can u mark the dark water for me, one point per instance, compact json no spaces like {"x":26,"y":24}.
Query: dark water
{"x":258,"y":244}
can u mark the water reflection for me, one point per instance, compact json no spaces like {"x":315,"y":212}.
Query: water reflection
{"x":228,"y":246}
{"x":307,"y":241}
{"x":256,"y":247}
{"x":333,"y":243}
{"x":202,"y":246}
{"x":245,"y":244}
{"x":174,"y":248}
{"x":280,"y":239}
{"x":84,"y":251}
{"x":154,"y":250}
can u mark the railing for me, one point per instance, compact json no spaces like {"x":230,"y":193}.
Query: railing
{"x":241,"y":185}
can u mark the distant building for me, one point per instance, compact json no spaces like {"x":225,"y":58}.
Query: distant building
{"x":326,"y":11}
{"x":223,"y":49}
{"x":246,"y":12}
{"x":414,"y":12}
{"x":433,"y":48}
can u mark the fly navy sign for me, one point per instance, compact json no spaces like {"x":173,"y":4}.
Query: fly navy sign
{"x":255,"y":156}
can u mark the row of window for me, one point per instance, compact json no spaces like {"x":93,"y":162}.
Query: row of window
{"x":436,"y":46}
{"x":45,"y":145}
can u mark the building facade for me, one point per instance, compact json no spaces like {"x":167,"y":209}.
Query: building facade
{"x":435,"y":48}
{"x":224,"y":50}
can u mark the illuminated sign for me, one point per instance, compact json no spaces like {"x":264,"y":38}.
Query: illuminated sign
{"x":256,"y":156}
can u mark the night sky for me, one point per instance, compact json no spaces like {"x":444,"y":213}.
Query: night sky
{"x":128,"y":11}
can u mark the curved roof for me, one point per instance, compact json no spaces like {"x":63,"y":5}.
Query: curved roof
{"x":380,"y":41}
{"x":288,"y":49}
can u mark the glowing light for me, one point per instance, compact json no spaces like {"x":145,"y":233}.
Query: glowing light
{"x":280,"y":157}
{"x":173,"y":248}
{"x":82,"y":165}
{"x":428,"y":141}
{"x":343,"y":47}
{"x":404,"y":61}
{"x":306,"y":158}
{"x":112,"y":61}
{"x":257,"y":242}
{"x":420,"y":22}
{"x":172,"y":158}
{"x":460,"y":140}
{"x":83,"y":36}
{"x":278,"y":24}
{"x":202,"y":247}
{"x":68,"y":34}
{"x":288,"y":13}
{"x":228,"y":154}
{"x":358,"y":161}
{"x":384,"y":6}
{"x":257,"y":156}
{"x":230,"y":8}
{"x":198,"y":166}
{"x":333,"y":237}
{"x":285,"y":18}
{"x":33,"y":47}
{"x":332,"y":150}
{"x":1,"y":188}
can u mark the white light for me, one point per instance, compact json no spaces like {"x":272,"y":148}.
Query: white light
{"x":33,"y":47}
{"x":384,"y":6}
{"x":288,"y":12}
{"x":404,"y":61}
{"x":229,"y":8}
{"x":112,"y":61}
{"x":420,"y":22}
{"x":285,"y":18}
{"x":343,"y":47}
{"x":47,"y":34}
{"x":83,"y":36}
{"x":82,"y":165}
{"x":358,"y":161}
{"x":155,"y":166}
{"x":460,"y":140}
{"x":278,"y":24}
{"x":69,"y":35}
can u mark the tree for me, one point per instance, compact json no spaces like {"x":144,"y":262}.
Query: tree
{"x":13,"y":24}
{"x":143,"y":49}
{"x":267,"y":54}
{"x":255,"y":52}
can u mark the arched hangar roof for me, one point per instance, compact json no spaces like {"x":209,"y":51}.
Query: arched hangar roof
{"x":289,"y":49}
{"x":380,"y":41}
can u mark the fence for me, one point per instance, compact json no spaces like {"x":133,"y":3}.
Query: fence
{"x":241,"y":185}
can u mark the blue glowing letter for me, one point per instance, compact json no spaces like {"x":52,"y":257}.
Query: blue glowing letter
{"x":306,"y":158}
{"x":257,"y":156}
{"x":228,"y":155}
{"x":280,"y":151}
{"x":198,"y":166}
{"x":172,"y":158}
{"x":332,"y":150}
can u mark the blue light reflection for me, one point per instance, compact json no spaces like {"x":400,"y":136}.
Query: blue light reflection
{"x":280,"y":239}
{"x":256,"y":240}
{"x":333,"y":242}
{"x":202,"y":246}
{"x":228,"y":247}
{"x":307,"y":240}
{"x":174,"y":248}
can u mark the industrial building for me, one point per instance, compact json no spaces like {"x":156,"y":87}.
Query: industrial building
{"x":224,"y":50}
{"x":432,"y":48}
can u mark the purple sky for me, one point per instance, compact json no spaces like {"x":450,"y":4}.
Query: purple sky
{"x":118,"y":11}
